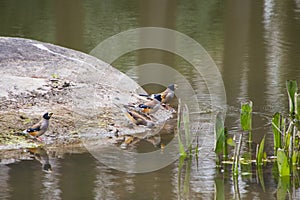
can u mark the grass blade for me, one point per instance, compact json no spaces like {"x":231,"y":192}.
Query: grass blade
{"x":235,"y":165}
{"x":276,"y":126}
{"x":297,"y":106}
{"x":186,"y":125}
{"x":292,"y":88}
{"x":246,"y":115}
{"x":219,"y":134}
{"x":181,"y":146}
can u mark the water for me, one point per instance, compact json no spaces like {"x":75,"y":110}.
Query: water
{"x":255,"y":45}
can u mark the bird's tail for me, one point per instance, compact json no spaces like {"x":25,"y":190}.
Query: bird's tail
{"x":144,"y":95}
{"x":21,"y":133}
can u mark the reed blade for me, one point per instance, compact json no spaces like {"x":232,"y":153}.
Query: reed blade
{"x":276,"y":127}
{"x":292,"y":88}
{"x":246,"y":115}
{"x":219,"y":134}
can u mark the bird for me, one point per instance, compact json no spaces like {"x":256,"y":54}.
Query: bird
{"x":166,"y":96}
{"x":39,"y":128}
{"x":151,"y":106}
{"x":138,"y":118}
{"x":135,"y":116}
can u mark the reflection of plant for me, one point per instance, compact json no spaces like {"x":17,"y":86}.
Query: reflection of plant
{"x":186,"y":151}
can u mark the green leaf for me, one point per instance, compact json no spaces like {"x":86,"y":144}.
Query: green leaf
{"x":297,"y":106}
{"x":260,"y":153}
{"x":276,"y":126}
{"x":230,"y":142}
{"x":295,"y":158}
{"x":292,"y":88}
{"x":283,"y":163}
{"x":219,"y":133}
{"x":246,"y":116}
{"x":287,"y":136}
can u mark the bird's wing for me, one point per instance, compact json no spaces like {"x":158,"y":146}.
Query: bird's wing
{"x":35,"y":127}
{"x":144,"y":106}
{"x":164,"y":94}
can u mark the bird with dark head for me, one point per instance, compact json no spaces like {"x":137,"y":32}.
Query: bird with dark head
{"x":151,"y":106}
{"x":39,"y":128}
{"x":166,"y":96}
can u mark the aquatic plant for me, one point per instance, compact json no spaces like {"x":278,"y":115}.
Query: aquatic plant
{"x":182,"y":151}
{"x":285,"y":130}
{"x":286,"y":159}
{"x":220,"y":144}
{"x":277,"y":126}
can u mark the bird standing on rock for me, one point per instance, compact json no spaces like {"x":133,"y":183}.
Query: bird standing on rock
{"x":138,"y":118}
{"x":39,"y":128}
{"x":166,"y":96}
{"x":151,"y":106}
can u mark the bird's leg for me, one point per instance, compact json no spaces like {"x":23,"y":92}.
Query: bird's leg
{"x":39,"y":139}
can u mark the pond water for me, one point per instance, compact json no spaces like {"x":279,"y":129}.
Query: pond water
{"x":255,"y":45}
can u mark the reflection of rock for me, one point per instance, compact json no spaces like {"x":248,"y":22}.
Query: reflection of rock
{"x":79,"y":89}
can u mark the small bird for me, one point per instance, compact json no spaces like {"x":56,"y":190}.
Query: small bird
{"x":39,"y":128}
{"x":151,"y":106}
{"x":138,"y":118}
{"x":166,"y":96}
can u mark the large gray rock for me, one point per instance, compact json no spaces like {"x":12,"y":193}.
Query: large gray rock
{"x":82,"y":91}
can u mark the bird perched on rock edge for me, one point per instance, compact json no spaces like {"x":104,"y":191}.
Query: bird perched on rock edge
{"x":138,"y":118}
{"x":39,"y":128}
{"x":151,"y":106}
{"x":135,"y":116}
{"x":166,"y":96}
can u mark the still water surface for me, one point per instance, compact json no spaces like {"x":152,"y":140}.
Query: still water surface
{"x":255,"y":44}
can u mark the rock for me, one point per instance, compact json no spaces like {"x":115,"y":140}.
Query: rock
{"x":82,"y":92}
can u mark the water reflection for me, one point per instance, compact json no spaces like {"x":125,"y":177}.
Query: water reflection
{"x":41,"y":155}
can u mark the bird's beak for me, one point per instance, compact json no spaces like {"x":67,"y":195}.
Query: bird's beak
{"x":175,"y":86}
{"x":50,"y":114}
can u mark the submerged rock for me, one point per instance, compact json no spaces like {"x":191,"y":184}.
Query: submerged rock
{"x":82,"y":91}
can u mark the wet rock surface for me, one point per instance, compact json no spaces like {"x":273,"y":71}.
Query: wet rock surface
{"x":83,"y":93}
